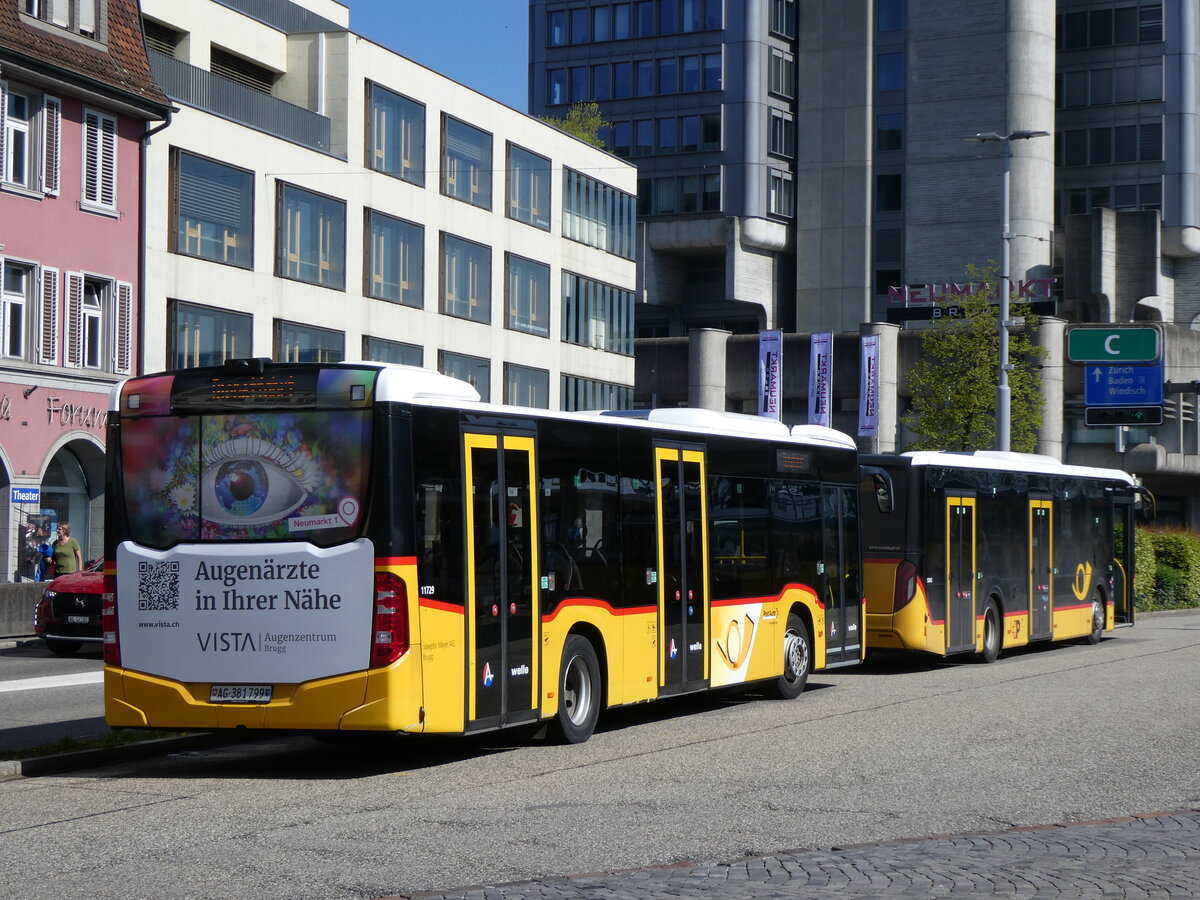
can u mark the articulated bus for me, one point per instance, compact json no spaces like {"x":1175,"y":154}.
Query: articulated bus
{"x":979,"y":552}
{"x":370,"y":548}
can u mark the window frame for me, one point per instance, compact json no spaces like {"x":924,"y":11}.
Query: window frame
{"x":99,"y":182}
{"x":330,"y":242}
{"x":281,"y":326}
{"x":539,"y":190}
{"x":478,"y":179}
{"x":479,"y":282}
{"x":410,"y":134}
{"x":179,"y":356}
{"x":245,"y":193}
{"x":526,"y":299}
{"x":410,"y":259}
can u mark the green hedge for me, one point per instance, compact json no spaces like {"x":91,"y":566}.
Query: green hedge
{"x":1167,"y":569}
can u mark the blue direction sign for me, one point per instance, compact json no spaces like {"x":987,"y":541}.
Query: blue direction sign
{"x":1123,"y":385}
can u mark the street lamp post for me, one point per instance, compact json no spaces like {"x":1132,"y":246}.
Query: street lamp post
{"x":1003,"y":391}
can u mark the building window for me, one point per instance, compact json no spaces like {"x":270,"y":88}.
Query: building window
{"x":710,"y":131}
{"x":889,"y":15}
{"x":596,"y":315}
{"x":556,"y":87}
{"x":204,"y":336}
{"x":889,"y":132}
{"x":466,"y":163}
{"x":95,"y":298}
{"x":396,"y":260}
{"x":556,"y":28}
{"x":666,"y":140}
{"x":466,"y":279}
{"x":782,"y":74}
{"x":378,"y":350}
{"x":1150,"y":142}
{"x":783,"y":134}
{"x":644,"y":76}
{"x":889,"y":72}
{"x":783,"y":18}
{"x":83,"y":17}
{"x":311,"y":244}
{"x":579,"y":84}
{"x":30,"y":139}
{"x":161,"y":38}
{"x":99,"y":160}
{"x":241,"y":71}
{"x":668,"y":75}
{"x":576,"y":394}
{"x":396,"y":144}
{"x":98,"y":323}
{"x":526,"y":387}
{"x":712,"y":71}
{"x":600,"y":24}
{"x":14,"y":301}
{"x":597,"y":214}
{"x":781,"y":194}
{"x":645,"y":18}
{"x":213,"y":210}
{"x":602,"y":82}
{"x":689,"y":133}
{"x":304,"y":343}
{"x":690,"y":66}
{"x":471,"y":369}
{"x":1150,"y":23}
{"x":528,"y":187}
{"x":888,"y":193}
{"x":710,"y":193}
{"x":622,"y":22}
{"x":528,"y":287}
{"x":643,"y":144}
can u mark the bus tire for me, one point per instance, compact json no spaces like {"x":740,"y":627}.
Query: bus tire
{"x":991,"y":633}
{"x":797,"y":660}
{"x":1097,"y":632}
{"x":579,"y":691}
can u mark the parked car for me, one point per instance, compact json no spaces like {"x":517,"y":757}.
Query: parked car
{"x":69,"y":613}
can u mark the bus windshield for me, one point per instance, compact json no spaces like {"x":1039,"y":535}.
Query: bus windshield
{"x":294,"y":475}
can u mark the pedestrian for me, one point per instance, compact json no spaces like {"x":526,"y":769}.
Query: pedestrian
{"x":68,"y":557}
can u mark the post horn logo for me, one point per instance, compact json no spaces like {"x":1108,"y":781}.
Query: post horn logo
{"x":1082,"y":585}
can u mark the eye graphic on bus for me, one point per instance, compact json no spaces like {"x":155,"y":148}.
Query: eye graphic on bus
{"x":249,"y":481}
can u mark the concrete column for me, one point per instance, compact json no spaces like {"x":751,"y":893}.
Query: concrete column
{"x":1051,"y":335}
{"x":887,"y":437}
{"x":706,"y":368}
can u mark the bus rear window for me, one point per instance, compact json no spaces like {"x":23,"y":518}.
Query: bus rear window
{"x":265,"y":476}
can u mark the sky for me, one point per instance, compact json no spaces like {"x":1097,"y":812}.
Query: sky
{"x":483,"y":44}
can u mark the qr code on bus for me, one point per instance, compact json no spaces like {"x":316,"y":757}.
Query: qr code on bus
{"x":158,"y":585}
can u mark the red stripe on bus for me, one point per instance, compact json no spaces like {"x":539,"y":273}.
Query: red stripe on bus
{"x":1058,"y":608}
{"x":395,"y":561}
{"x":599,"y":604}
{"x":429,"y":603}
{"x":739,"y":601}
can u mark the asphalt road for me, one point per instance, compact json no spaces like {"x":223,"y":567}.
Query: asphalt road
{"x":45,"y":698}
{"x":902,"y":749}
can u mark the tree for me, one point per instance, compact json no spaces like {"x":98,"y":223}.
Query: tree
{"x":953,"y":383}
{"x":583,"y":120}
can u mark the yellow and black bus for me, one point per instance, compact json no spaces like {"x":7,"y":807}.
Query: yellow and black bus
{"x":366,"y":547}
{"x":980,"y":552}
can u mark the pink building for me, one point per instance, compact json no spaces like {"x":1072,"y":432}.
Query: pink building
{"x":76,"y":99}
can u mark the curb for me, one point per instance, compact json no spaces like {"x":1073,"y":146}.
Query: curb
{"x":90,"y":759}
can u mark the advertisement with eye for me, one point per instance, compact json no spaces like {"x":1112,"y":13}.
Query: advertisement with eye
{"x":270,"y":476}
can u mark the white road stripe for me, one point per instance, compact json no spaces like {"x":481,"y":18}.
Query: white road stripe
{"x":51,"y":681}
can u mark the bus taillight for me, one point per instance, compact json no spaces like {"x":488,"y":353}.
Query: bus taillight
{"x":390,"y":632}
{"x":906,"y":585}
{"x":108,"y":624}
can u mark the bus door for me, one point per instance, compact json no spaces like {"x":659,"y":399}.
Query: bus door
{"x":502,"y":604}
{"x":682,"y":512}
{"x":960,"y":573}
{"x":1122,"y":544}
{"x":1041,"y":572}
{"x":840,"y":577}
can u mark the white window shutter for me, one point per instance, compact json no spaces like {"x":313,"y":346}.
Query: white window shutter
{"x":124,"y":336}
{"x":73,"y":320}
{"x":48,"y":345}
{"x":99,"y":159}
{"x":51,"y":144}
{"x":3,"y":117}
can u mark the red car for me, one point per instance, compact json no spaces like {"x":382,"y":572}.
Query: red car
{"x":68,"y":615}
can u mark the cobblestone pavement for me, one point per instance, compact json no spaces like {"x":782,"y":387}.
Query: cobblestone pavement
{"x":1154,"y":855}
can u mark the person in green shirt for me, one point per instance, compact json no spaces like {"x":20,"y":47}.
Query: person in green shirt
{"x":68,"y":557}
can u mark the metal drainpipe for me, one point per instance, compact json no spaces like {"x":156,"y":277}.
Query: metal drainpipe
{"x":140,"y":368}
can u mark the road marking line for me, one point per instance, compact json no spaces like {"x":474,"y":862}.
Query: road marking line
{"x":51,"y":681}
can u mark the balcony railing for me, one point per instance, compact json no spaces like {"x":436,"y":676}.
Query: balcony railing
{"x":188,"y":84}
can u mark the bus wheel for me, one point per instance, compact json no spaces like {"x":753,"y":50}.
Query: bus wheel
{"x":991,"y":633}
{"x":578,"y":691}
{"x":1097,"y":620}
{"x":797,"y":660}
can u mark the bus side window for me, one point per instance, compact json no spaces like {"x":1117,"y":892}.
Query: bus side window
{"x":879,"y":483}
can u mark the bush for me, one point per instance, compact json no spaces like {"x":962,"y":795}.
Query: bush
{"x":1172,"y":562}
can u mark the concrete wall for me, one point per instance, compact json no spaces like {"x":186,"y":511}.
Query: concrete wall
{"x":16,"y":607}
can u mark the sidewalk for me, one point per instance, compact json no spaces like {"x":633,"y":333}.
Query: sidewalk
{"x":1153,"y":855}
